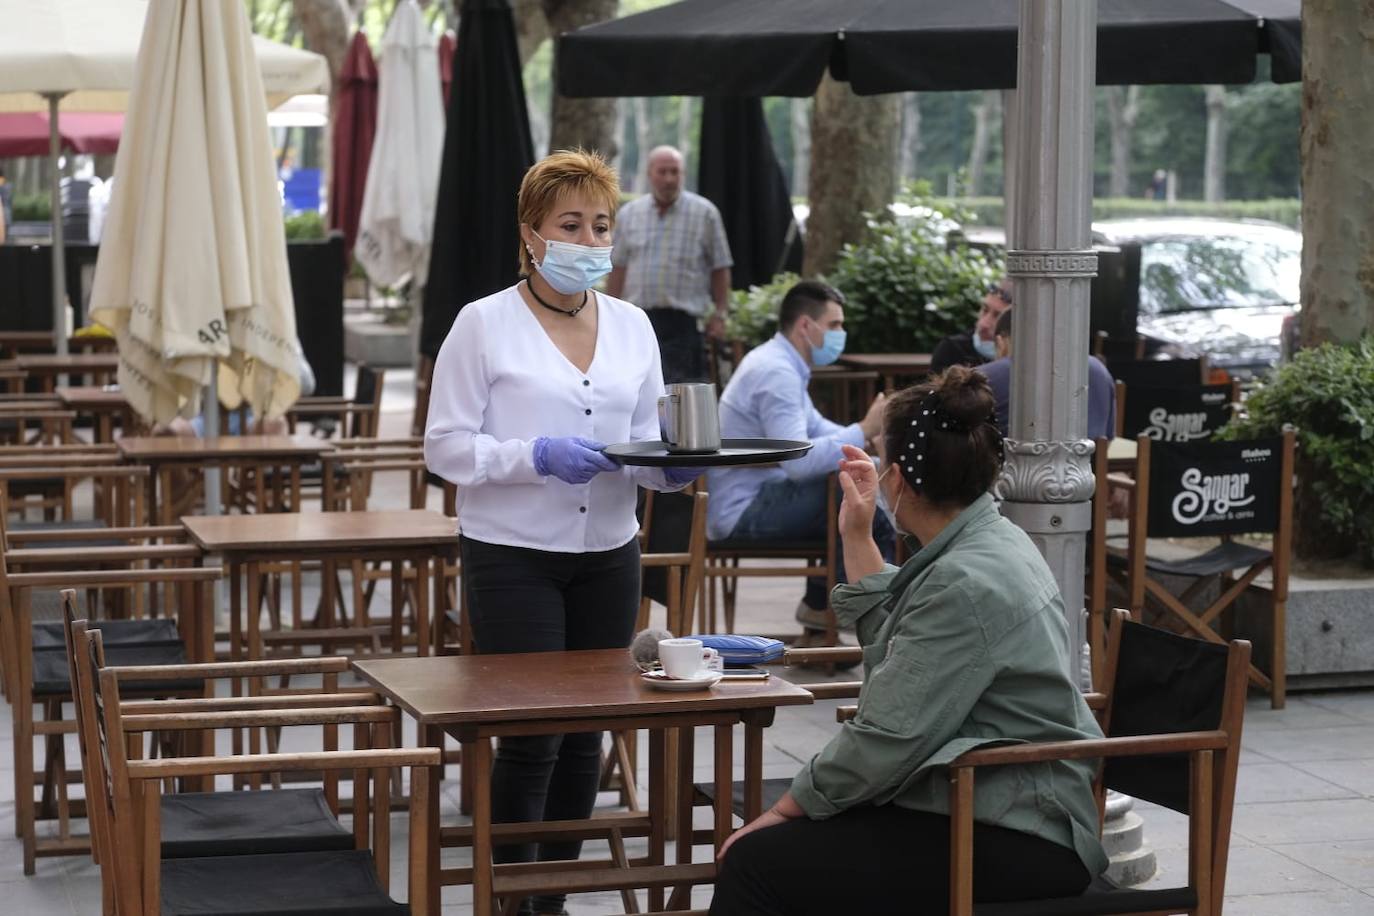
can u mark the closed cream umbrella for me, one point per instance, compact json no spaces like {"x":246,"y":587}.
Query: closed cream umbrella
{"x":396,"y":226}
{"x":192,"y":270}
{"x":79,"y":55}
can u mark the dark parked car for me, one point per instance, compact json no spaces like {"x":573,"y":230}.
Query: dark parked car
{"x":1219,"y":288}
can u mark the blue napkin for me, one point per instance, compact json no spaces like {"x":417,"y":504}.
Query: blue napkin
{"x":743,"y":650}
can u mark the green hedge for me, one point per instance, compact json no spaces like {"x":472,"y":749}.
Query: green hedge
{"x":1328,"y":394}
{"x":32,"y":208}
{"x":987,"y":211}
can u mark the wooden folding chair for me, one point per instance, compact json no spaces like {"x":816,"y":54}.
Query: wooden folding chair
{"x":1174,"y":722}
{"x":1213,"y":489}
{"x":1186,"y":413}
{"x":144,"y":881}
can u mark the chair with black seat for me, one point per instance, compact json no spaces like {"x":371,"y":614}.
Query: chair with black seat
{"x":1173,"y":725}
{"x":230,"y":823}
{"x":775,"y":559}
{"x":143,"y":879}
{"x":37,"y":675}
{"x":1213,"y":489}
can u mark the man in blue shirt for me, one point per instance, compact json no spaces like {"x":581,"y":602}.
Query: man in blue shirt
{"x":1101,"y":386}
{"x":767,"y":398}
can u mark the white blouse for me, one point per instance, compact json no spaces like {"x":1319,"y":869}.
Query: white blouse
{"x":500,"y":382}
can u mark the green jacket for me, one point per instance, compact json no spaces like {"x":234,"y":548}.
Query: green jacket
{"x":964,"y":646}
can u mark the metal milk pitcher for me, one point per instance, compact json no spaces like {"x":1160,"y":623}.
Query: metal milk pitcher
{"x":689,"y":419}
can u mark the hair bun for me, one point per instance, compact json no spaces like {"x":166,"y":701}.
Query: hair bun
{"x":965,"y":395}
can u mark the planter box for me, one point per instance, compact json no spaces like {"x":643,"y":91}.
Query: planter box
{"x":377,"y":344}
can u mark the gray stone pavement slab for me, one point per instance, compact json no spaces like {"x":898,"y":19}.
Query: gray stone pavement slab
{"x":1304,"y":830}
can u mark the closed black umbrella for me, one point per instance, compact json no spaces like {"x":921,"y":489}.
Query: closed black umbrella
{"x":782,"y":47}
{"x":487,"y":150}
{"x":739,"y":173}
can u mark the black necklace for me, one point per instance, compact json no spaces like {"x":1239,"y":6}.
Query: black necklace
{"x":571,"y":313}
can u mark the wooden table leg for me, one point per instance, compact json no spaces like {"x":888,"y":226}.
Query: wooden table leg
{"x":429,"y":736}
{"x":253,"y":573}
{"x":422,"y":610}
{"x":398,"y":604}
{"x":236,"y":685}
{"x":477,"y":761}
{"x":753,"y":770}
{"x":658,"y":791}
{"x":724,"y":778}
{"x":686,"y":755}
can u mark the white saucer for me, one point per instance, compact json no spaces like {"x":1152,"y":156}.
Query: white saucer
{"x":699,"y":681}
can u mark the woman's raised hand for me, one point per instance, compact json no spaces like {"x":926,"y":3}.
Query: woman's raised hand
{"x":859,"y":483}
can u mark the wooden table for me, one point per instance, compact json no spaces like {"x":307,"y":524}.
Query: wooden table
{"x":891,"y":367}
{"x":477,"y":697}
{"x":48,"y":366}
{"x":252,"y":453}
{"x":248,"y":543}
{"x":103,"y":403}
{"x":1121,"y":454}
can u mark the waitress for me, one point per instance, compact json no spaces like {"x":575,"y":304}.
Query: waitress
{"x":528,"y":386}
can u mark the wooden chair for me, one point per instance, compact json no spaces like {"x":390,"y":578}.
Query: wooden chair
{"x":143,"y":880}
{"x":774,"y":559}
{"x":1175,"y":414}
{"x":37,"y":675}
{"x":222,"y":823}
{"x":1174,"y":722}
{"x":1212,"y":489}
{"x":361,"y":416}
{"x":673,"y":535}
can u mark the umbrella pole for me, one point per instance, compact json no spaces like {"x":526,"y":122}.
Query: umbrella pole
{"x":59,"y":251}
{"x":211,"y":413}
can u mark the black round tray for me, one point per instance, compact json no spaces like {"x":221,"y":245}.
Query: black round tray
{"x":732,"y":452}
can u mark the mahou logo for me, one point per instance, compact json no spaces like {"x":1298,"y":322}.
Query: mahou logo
{"x":1176,"y":427}
{"x":1210,"y":497}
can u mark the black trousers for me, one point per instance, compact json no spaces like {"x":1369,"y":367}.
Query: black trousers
{"x":523,"y":600}
{"x":681,"y":345}
{"x":883,"y":859}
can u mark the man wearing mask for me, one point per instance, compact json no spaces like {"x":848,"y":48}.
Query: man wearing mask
{"x":980,"y":346}
{"x":767,"y":398}
{"x":672,"y":259}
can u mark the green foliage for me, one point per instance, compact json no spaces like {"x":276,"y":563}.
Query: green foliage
{"x":32,"y":208}
{"x":306,"y":226}
{"x":908,"y":284}
{"x":987,"y":211}
{"x":1328,"y":394}
{"x":754,"y":311}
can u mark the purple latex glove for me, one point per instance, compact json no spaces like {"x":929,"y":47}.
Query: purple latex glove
{"x":680,"y":477}
{"x":571,"y":459}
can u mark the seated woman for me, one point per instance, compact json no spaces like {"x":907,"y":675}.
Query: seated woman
{"x":965,"y":645}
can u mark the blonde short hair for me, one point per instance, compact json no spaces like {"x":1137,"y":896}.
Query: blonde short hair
{"x":566,"y":171}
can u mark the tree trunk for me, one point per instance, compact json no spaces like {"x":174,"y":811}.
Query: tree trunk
{"x":1214,"y":163}
{"x":531,"y":27}
{"x":853,"y":139}
{"x":580,"y":123}
{"x":1337,"y":184}
{"x":910,"y":147}
{"x":983,"y":114}
{"x":801,"y":146}
{"x":642,"y":128}
{"x":622,"y":123}
{"x":1123,"y":105}
{"x":324,"y":23}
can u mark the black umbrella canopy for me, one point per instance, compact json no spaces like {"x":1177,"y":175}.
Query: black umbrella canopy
{"x":487,"y":150}
{"x":739,"y":173}
{"x":782,"y":47}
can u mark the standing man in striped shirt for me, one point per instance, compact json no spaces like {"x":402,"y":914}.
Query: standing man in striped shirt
{"x":673,"y":260}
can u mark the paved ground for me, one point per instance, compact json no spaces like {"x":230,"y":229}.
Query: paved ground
{"x":1303,"y":841}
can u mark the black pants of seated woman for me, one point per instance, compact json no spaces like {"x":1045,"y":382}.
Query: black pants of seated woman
{"x":883,"y":860}
{"x":525,"y":600}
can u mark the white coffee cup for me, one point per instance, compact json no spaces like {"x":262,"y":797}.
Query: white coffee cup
{"x":685,"y":658}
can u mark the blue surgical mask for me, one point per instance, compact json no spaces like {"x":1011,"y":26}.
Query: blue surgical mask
{"x":829,"y":350}
{"x":890,"y":512}
{"x":571,"y":268}
{"x":986,"y":348}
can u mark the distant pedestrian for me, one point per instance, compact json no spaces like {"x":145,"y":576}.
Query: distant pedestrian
{"x":672,"y":259}
{"x":1159,"y":186}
